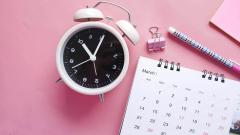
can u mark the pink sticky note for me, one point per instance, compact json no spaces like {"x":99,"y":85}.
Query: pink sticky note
{"x":227,"y":18}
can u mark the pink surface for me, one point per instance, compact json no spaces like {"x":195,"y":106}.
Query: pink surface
{"x":31,"y":103}
{"x":227,"y":18}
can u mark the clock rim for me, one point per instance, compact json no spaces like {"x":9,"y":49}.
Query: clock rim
{"x":60,"y":64}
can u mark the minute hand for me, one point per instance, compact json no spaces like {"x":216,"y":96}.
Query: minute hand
{"x":99,"y":44}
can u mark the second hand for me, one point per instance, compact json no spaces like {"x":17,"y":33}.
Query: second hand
{"x":95,"y":70}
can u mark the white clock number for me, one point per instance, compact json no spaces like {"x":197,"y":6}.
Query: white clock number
{"x":84,"y":79}
{"x":90,"y":36}
{"x":80,"y":41}
{"x":114,"y":67}
{"x":111,"y":45}
{"x":96,"y":80}
{"x":115,"y":56}
{"x":72,"y":50}
{"x":108,"y":75}
{"x":71,"y":60}
{"x":75,"y":71}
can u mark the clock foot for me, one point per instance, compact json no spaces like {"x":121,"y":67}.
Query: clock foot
{"x":101,"y":97}
{"x":58,"y":80}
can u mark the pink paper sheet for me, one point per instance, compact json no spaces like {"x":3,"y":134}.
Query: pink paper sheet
{"x":227,"y":18}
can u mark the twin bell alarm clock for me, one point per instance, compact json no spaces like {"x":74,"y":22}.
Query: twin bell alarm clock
{"x":92,"y":57}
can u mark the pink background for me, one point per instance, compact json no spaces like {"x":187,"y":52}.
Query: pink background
{"x":30,"y":100}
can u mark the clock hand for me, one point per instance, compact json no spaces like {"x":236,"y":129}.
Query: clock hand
{"x":98,"y":46}
{"x":81,"y":63}
{"x":95,"y":70}
{"x":92,"y":57}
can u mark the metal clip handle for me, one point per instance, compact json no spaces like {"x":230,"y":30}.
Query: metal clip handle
{"x":154,"y":31}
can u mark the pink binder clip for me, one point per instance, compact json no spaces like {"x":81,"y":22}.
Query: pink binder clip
{"x":157,"y":42}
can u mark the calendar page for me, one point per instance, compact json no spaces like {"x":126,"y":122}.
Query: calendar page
{"x":169,"y":100}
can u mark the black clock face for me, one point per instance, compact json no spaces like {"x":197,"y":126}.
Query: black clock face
{"x":93,"y":57}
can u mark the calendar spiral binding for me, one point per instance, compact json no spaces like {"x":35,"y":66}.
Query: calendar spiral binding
{"x":213,"y":76}
{"x":206,"y":74}
{"x":171,"y":65}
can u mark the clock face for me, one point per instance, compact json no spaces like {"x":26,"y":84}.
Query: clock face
{"x":93,"y":57}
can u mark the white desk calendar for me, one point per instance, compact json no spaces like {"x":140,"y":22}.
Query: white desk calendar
{"x":167,"y":99}
{"x":92,"y":57}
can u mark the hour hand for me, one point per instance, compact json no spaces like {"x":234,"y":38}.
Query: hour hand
{"x":92,"y":57}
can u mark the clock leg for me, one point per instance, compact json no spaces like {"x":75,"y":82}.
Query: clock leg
{"x":101,"y":97}
{"x":58,"y":80}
